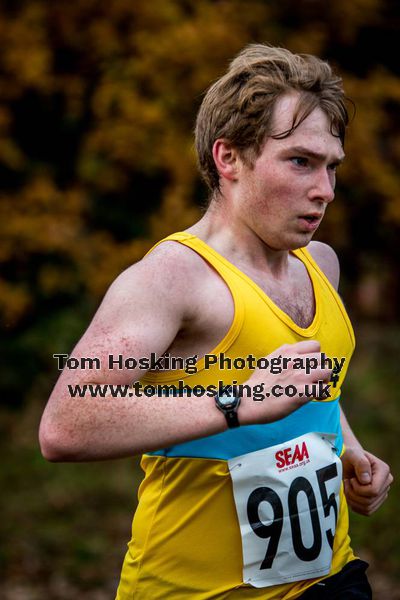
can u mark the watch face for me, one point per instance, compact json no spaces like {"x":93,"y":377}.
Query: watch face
{"x":227,"y":401}
{"x":228,"y":404}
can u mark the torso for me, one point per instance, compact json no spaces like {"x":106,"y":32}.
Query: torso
{"x":192,"y":479}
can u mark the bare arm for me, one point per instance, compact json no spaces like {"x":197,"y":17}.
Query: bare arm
{"x":367,"y":478}
{"x":142,"y":312}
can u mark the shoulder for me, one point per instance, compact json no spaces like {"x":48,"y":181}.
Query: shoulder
{"x":148,"y":303}
{"x":167,"y":277}
{"x":176,"y":264}
{"x":327,"y":260}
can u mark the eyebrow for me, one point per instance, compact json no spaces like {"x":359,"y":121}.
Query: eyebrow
{"x":311,"y":154}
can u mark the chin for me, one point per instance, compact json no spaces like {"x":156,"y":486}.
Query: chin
{"x":305,"y":238}
{"x":296,"y":242}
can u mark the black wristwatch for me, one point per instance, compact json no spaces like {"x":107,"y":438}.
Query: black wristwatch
{"x":228,"y":404}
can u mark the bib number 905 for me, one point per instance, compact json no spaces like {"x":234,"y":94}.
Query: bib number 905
{"x":273,"y":531}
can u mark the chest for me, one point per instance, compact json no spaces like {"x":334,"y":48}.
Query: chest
{"x":295,"y":297}
{"x":214,"y":308}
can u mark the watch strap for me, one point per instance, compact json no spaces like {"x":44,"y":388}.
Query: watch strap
{"x":229,"y":410}
{"x":232,"y":418}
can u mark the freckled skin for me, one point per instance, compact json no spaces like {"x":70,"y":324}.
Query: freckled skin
{"x":281,"y":190}
{"x":163,"y":304}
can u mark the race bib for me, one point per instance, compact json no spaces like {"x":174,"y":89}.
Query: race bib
{"x":287,"y":502}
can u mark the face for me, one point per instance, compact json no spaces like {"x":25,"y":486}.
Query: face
{"x":284,"y":195}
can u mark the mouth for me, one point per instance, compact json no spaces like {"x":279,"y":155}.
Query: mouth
{"x":310,"y":222}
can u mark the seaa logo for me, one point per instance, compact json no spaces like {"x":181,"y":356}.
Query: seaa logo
{"x":288,"y":456}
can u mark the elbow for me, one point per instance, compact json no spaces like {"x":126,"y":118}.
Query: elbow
{"x":56,"y":445}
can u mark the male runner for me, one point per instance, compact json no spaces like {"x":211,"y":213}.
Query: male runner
{"x":242,"y":496}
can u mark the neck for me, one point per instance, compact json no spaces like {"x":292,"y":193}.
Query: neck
{"x":232,"y":238}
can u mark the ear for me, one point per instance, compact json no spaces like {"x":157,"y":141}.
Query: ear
{"x":226,"y":159}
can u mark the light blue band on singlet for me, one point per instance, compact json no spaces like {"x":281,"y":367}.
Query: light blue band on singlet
{"x":322,"y":417}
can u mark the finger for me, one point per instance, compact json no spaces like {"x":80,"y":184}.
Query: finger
{"x":368,"y":509}
{"x":379,"y":468}
{"x":363,"y":490}
{"x":374,"y":507}
{"x":362,"y":468}
{"x":362,"y":501}
{"x":387,"y":483}
{"x":376,"y":487}
{"x":366,"y":493}
{"x":306,"y":347}
{"x":314,"y":358}
{"x":380,"y":473}
{"x":322,"y":375}
{"x":361,"y":510}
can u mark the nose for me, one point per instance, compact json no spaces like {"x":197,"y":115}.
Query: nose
{"x":324,"y":186}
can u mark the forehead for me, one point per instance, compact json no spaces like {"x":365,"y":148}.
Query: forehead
{"x":314,"y":132}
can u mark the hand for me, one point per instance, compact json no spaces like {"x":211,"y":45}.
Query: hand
{"x":367,"y":480}
{"x":303,"y":385}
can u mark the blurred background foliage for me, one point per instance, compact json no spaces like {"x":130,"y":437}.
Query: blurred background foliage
{"x":97,"y":107}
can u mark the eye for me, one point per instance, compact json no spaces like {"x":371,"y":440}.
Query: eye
{"x":299,"y":161}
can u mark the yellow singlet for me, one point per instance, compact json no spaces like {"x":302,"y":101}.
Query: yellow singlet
{"x":186,"y":542}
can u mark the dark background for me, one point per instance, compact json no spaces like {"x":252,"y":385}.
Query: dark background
{"x":97,"y":107}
